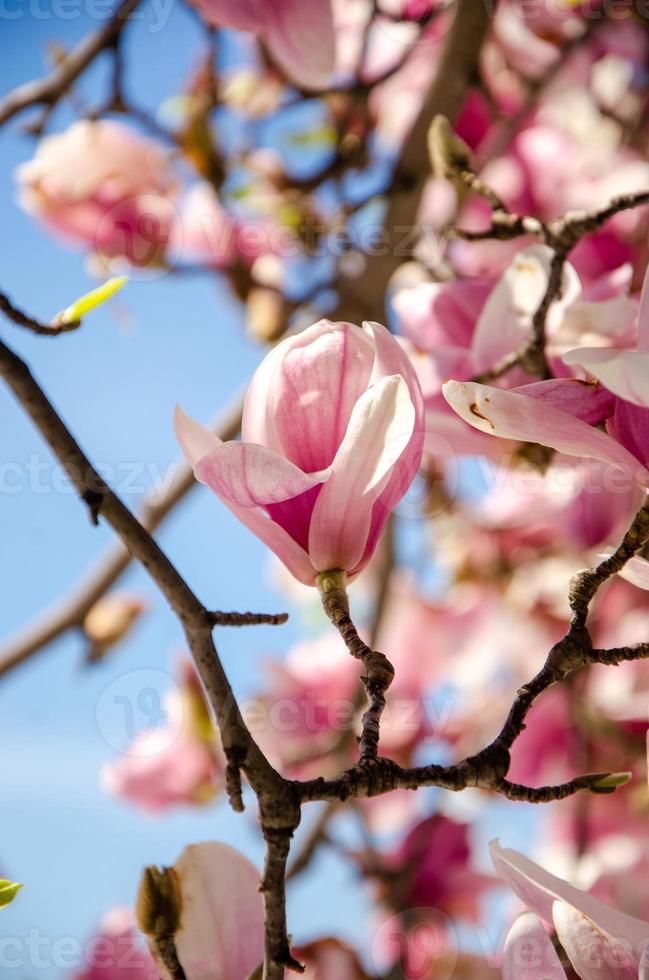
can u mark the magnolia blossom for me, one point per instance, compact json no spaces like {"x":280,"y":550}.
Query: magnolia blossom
{"x":600,"y":942}
{"x":179,"y":763}
{"x":221,"y":930}
{"x":116,"y":947}
{"x":463,"y":328}
{"x":432,"y":867}
{"x":332,"y":438}
{"x":299,"y":34}
{"x":216,"y":919}
{"x":104,"y":185}
{"x":202,"y":230}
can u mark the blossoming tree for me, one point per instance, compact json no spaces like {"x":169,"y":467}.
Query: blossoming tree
{"x":444,"y":449}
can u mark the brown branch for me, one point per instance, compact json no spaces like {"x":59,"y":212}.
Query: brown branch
{"x":278,"y":799}
{"x":273,"y":886}
{"x":29,"y":323}
{"x":70,"y":612}
{"x":49,"y":90}
{"x":247,"y":619}
{"x":192,"y":614}
{"x":378,"y":671}
{"x":363,"y":297}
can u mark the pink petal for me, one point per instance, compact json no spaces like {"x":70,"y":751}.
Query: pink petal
{"x":195,"y":440}
{"x":379,"y":430}
{"x":624,"y":372}
{"x":248,"y":478}
{"x":630,"y":426}
{"x":252,"y":476}
{"x":257,"y":422}
{"x":643,"y":315}
{"x":513,"y":415}
{"x":439,"y":315}
{"x":506,"y":319}
{"x":222,"y":922}
{"x":322,"y":373}
{"x":242,"y":16}
{"x":594,"y":954}
{"x":590,"y":402}
{"x":300,"y":35}
{"x":390,"y":358}
{"x":529,"y":953}
{"x":279,"y":540}
{"x":539,"y":890}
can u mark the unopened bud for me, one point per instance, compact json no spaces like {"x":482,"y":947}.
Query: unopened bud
{"x":110,"y":619}
{"x":158,"y":904}
{"x":89,"y":301}
{"x":448,"y":153}
{"x":609,"y":782}
{"x":266,"y":314}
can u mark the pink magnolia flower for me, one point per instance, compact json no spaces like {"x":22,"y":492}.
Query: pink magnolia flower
{"x":162,"y":771}
{"x":564,"y":415}
{"x":299,"y":34}
{"x":179,"y":763}
{"x":463,"y":328}
{"x":332,"y":438}
{"x":600,"y":942}
{"x":103,"y":185}
{"x":117,"y":952}
{"x":221,"y":930}
{"x":433,"y":867}
{"x":202,"y":231}
{"x":309,"y":705}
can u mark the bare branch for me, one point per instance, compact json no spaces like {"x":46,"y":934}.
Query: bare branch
{"x":362,"y":297}
{"x":35,"y":326}
{"x":47,"y":91}
{"x":70,"y":612}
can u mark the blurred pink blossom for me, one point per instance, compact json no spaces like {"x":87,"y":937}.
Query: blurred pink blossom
{"x":117,"y":952}
{"x":299,"y":34}
{"x":104,"y":185}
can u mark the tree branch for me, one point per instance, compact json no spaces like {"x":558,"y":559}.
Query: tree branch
{"x":49,"y":90}
{"x":362,"y":297}
{"x":70,"y":612}
{"x":29,"y":323}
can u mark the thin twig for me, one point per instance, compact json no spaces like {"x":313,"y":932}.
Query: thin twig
{"x":49,"y":90}
{"x":247,"y":619}
{"x":29,"y":323}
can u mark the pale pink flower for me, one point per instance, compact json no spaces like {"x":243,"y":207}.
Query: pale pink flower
{"x":179,"y":763}
{"x":432,"y":867}
{"x":299,"y":34}
{"x":600,"y":942}
{"x":332,"y":438}
{"x":309,"y":705}
{"x":202,"y":231}
{"x":104,"y":185}
{"x":463,"y":328}
{"x":163,"y":770}
{"x":567,"y":414}
{"x":221,"y":930}
{"x":117,"y":952}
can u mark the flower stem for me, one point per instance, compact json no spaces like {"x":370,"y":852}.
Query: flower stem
{"x":378,"y":672}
